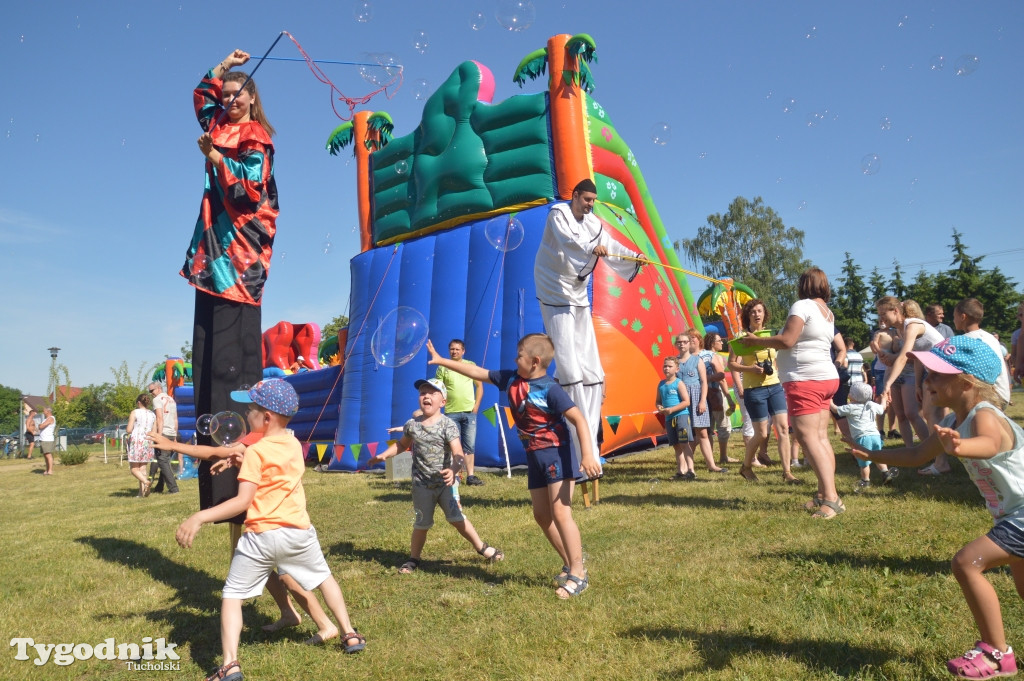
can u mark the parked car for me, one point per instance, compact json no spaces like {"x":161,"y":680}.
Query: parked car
{"x":75,"y":435}
{"x":93,"y":438}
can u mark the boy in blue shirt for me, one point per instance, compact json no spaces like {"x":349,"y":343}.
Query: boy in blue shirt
{"x":540,"y":408}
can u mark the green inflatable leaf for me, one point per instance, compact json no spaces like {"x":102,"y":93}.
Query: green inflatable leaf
{"x":340,"y":138}
{"x":532,"y":66}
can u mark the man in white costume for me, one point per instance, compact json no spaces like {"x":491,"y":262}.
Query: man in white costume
{"x":574,"y":239}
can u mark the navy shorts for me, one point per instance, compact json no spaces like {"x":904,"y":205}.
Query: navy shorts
{"x":764,"y":401}
{"x":678,"y":428}
{"x":1009,"y":536}
{"x":547,"y":466}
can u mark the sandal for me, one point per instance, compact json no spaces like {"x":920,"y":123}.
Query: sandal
{"x":221,"y":673}
{"x":562,"y":576}
{"x":494,"y":557}
{"x":146,"y":488}
{"x":969,"y":666}
{"x":409,"y":566}
{"x":930,"y":469}
{"x":836,"y":506}
{"x":792,"y":480}
{"x":353,"y":648}
{"x":814,"y":504}
{"x":748,"y":474}
{"x":573,"y":586}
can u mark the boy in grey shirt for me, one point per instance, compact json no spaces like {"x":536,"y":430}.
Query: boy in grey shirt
{"x":436,"y":461}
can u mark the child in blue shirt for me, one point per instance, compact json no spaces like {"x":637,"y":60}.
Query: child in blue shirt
{"x":672,"y":404}
{"x":540,"y":408}
{"x":961,"y":374}
{"x":860,"y":414}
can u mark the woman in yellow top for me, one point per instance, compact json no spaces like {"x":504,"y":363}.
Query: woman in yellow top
{"x":762,"y":393}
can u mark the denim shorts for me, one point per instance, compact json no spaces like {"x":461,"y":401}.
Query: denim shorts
{"x":1009,"y":536}
{"x":764,"y":401}
{"x":466,"y":421}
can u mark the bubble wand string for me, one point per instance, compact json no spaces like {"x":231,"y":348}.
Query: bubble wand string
{"x":331,"y":61}
{"x":645,"y":261}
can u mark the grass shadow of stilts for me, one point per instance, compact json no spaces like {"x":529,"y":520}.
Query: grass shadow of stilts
{"x":472,"y":568}
{"x":195,"y":615}
{"x":718,"y":650}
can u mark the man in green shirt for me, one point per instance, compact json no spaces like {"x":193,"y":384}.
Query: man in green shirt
{"x":464,"y":397}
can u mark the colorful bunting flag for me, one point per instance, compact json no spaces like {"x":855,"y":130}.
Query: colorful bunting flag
{"x":613,"y":423}
{"x":490,"y":414}
{"x":638,"y":421}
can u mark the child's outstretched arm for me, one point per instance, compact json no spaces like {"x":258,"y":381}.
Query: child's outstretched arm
{"x":229,"y":509}
{"x":588,"y":459}
{"x":989,"y":438}
{"x":203,"y":452}
{"x":464,"y":368}
{"x":918,"y":455}
{"x":393,"y":450}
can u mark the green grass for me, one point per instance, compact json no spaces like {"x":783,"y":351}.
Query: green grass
{"x":714,"y":579}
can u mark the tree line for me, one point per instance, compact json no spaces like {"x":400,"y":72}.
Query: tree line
{"x":751,"y":244}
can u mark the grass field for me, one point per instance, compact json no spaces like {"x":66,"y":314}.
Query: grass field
{"x":712,"y":579}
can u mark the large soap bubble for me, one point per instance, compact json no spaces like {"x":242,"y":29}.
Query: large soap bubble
{"x":515,"y":15}
{"x":504,"y":232}
{"x":227,"y":427}
{"x":399,"y":336}
{"x":966,"y":65}
{"x":870,"y":164}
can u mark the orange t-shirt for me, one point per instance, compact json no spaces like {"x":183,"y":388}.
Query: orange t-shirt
{"x":276,"y":466}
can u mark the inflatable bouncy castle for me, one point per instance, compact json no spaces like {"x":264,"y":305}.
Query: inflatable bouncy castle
{"x":425,"y":204}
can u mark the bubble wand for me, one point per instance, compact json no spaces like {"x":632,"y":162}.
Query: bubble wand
{"x":248,"y":78}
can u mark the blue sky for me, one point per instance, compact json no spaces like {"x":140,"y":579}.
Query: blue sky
{"x":100,"y":178}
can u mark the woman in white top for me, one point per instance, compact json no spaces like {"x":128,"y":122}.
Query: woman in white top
{"x":141,"y":422}
{"x":810,"y":379}
{"x":904,"y":372}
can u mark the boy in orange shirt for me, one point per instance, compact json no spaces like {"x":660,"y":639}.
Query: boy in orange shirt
{"x":278,"y":531}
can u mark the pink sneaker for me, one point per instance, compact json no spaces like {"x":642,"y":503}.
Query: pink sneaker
{"x":972,"y":665}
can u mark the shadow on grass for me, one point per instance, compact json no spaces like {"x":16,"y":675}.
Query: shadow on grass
{"x":469,"y":501}
{"x":661,"y":499}
{"x":195,"y":616}
{"x":916,"y":566}
{"x":472,"y":568}
{"x":719,"y":649}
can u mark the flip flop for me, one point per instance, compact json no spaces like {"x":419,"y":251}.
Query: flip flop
{"x":930,"y":469}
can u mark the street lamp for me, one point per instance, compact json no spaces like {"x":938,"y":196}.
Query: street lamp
{"x":53,"y":371}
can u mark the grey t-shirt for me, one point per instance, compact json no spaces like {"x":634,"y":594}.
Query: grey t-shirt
{"x":431,"y":452}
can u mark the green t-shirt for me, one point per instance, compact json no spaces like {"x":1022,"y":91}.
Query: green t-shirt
{"x":461,"y":390}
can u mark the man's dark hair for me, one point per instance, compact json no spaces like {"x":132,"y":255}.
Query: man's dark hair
{"x":586,"y":185}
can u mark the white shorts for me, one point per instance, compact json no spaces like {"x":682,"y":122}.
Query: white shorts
{"x":292,"y":551}
{"x":748,"y":427}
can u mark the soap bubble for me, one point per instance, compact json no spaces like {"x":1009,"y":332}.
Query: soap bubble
{"x":811,"y":32}
{"x":201,"y":267}
{"x":420,"y":41}
{"x":515,"y":15}
{"x":902,"y":21}
{"x":814,"y":118}
{"x":477,"y":20}
{"x":885,"y":123}
{"x":966,"y":65}
{"x":402,"y":167}
{"x":252,"y":270}
{"x":363,"y":11}
{"x":327,"y":246}
{"x":788,"y":105}
{"x":504,"y":232}
{"x":937,"y":62}
{"x":870,"y":164}
{"x":661,"y":133}
{"x":420,"y":89}
{"x":381,"y":68}
{"x":227,"y":427}
{"x":203,"y":424}
{"x":399,"y":336}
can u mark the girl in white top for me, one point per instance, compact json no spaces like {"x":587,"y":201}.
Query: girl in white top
{"x":915,"y":334}
{"x":810,"y":379}
{"x":961,"y":371}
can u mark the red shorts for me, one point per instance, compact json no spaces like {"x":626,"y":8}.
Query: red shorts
{"x":809,"y":397}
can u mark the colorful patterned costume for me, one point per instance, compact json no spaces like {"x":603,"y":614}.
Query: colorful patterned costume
{"x":227,"y":262}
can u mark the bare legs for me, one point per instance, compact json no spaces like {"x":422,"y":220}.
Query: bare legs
{"x":969,"y":565}
{"x":138,"y":471}
{"x":811,"y":431}
{"x":552,"y":509}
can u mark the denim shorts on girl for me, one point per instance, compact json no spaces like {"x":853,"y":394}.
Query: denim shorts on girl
{"x":1008,"y":534}
{"x":810,"y":397}
{"x":764,"y":401}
